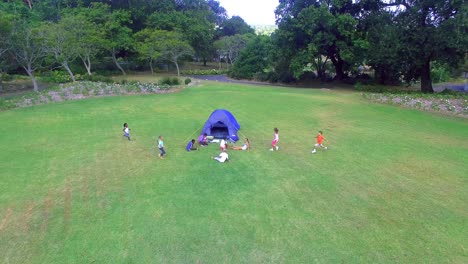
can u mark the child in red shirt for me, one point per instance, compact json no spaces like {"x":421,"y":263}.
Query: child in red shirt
{"x":320,"y":138}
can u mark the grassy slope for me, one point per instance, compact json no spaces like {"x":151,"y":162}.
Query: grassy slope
{"x":392,"y":187}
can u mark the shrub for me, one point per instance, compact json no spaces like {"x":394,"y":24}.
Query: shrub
{"x":164,"y":86}
{"x":169,"y":81}
{"x":371,"y":88}
{"x":187,"y":81}
{"x":440,"y":73}
{"x":98,"y":78}
{"x":175,"y":81}
{"x":6,"y":77}
{"x":204,"y":72}
{"x":56,"y":77}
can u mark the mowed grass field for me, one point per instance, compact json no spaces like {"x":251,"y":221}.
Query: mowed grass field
{"x":392,"y":188}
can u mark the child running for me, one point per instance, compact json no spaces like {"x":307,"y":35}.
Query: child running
{"x":275,"y":140}
{"x":126,"y":131}
{"x":320,"y":138}
{"x":161,"y":147}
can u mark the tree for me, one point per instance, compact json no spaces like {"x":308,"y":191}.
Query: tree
{"x":5,"y":31}
{"x":27,"y":48}
{"x":148,"y":44}
{"x":194,"y":24}
{"x":253,"y":59}
{"x":317,"y":29}
{"x":118,"y":35}
{"x":219,"y":12}
{"x":384,"y":53}
{"x":61,"y":42}
{"x":235,"y":25}
{"x":429,"y":30}
{"x":173,"y":47}
{"x":331,"y":29}
{"x":90,"y":40}
{"x":199,"y":32}
{"x":114,"y":25}
{"x":229,"y":47}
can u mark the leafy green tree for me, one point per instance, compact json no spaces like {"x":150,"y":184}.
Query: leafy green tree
{"x":429,"y":30}
{"x":233,"y":26}
{"x":331,"y":30}
{"x":253,"y":59}
{"x":89,"y":39}
{"x":148,"y":44}
{"x":229,"y":47}
{"x":384,"y":53}
{"x":219,"y":12}
{"x":173,"y":47}
{"x":5,"y":31}
{"x":61,"y":42}
{"x":27,"y":48}
{"x":194,"y":24}
{"x":199,"y":32}
{"x":115,"y":26}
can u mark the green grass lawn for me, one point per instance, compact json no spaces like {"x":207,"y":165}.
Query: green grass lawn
{"x":392,"y":188}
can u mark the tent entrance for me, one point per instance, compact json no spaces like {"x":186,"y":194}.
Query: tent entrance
{"x":219,"y":130}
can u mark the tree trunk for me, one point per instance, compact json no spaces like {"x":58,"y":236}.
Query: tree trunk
{"x":338,"y":69}
{"x":204,"y":61}
{"x":65,"y":65}
{"x":177,"y":66}
{"x":30,"y":73}
{"x":87,"y":63}
{"x":114,"y":58}
{"x":426,"y":82}
{"x":151,"y":66}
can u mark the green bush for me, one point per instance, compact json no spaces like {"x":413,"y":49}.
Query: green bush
{"x":175,"y":81}
{"x":169,"y":81}
{"x":359,"y":86}
{"x":55,"y":77}
{"x":98,"y":78}
{"x":164,"y":86}
{"x":6,"y":104}
{"x":440,"y":73}
{"x":187,"y":81}
{"x":6,"y":77}
{"x":204,"y":72}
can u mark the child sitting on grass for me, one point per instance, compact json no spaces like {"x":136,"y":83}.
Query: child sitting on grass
{"x":223,"y":157}
{"x":190,"y":146}
{"x":202,"y":140}
{"x":246,"y":145}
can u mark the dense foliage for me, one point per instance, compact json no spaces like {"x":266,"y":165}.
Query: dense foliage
{"x":395,"y":37}
{"x":388,"y":41}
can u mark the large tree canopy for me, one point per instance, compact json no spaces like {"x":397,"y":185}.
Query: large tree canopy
{"x":395,"y":37}
{"x":398,"y":39}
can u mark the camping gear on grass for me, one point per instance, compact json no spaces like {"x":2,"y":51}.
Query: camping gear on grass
{"x":222,"y":124}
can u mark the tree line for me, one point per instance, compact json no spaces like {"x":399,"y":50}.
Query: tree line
{"x":399,"y":40}
{"x":59,"y":33}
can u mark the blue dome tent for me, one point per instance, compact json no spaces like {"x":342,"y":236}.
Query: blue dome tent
{"x":222,"y":124}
